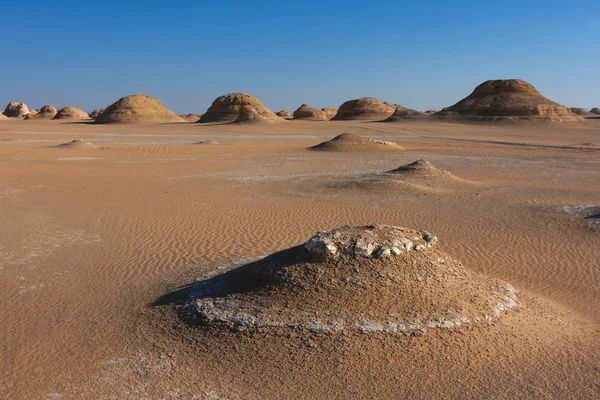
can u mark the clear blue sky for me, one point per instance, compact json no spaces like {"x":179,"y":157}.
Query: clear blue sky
{"x":424,"y":56}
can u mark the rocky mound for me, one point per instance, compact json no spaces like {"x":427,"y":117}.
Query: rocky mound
{"x":402,"y":114}
{"x":71,"y":112}
{"x":420,"y":167}
{"x":329,"y":112}
{"x":366,"y":108}
{"x":508,"y":100}
{"x":350,"y":142}
{"x":137,"y":109}
{"x":431,"y":112}
{"x":310,"y":113}
{"x":238,"y":107}
{"x":46,"y":112}
{"x":15,"y":109}
{"x":190,"y":117}
{"x":581,"y":111}
{"x":94,"y":114}
{"x":3,"y":117}
{"x":284,"y":114}
{"x":595,"y":111}
{"x":208,"y":142}
{"x":364,"y":279}
{"x":76,"y":144}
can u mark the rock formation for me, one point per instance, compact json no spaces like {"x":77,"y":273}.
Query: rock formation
{"x":15,"y":109}
{"x":71,"y":112}
{"x":329,"y":112}
{"x":581,"y":111}
{"x":366,"y":108}
{"x":507,"y":100}
{"x":310,"y":113}
{"x":353,"y":143}
{"x":595,"y":111}
{"x":94,"y":114}
{"x":46,"y":112}
{"x":77,"y":144}
{"x":364,"y":279}
{"x":284,"y":114}
{"x":3,"y":117}
{"x":238,"y":107}
{"x":190,"y":117}
{"x":402,"y":114}
{"x":137,"y":109}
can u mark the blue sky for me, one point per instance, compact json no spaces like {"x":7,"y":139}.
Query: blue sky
{"x":424,"y":56}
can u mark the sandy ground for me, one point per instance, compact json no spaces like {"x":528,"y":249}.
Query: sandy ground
{"x":91,"y":237}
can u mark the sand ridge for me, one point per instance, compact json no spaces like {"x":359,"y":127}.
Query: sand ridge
{"x":348,"y":142}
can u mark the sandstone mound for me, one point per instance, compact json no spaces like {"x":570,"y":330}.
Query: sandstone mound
{"x":431,"y":112}
{"x":190,"y":117}
{"x":94,"y":114}
{"x":77,"y":144}
{"x":508,"y":100}
{"x":15,"y":109}
{"x":595,"y":111}
{"x":581,"y":111}
{"x":208,"y":142}
{"x":329,"y":112}
{"x":137,"y":109}
{"x":363,"y":279}
{"x":309,"y":113}
{"x":71,"y":112}
{"x":402,"y":114}
{"x":3,"y":117}
{"x":366,"y":108}
{"x":238,"y":107}
{"x":420,"y":167}
{"x":46,"y":112}
{"x":284,"y":114}
{"x":350,"y":142}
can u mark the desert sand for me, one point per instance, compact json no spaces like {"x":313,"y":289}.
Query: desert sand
{"x":132,"y":260}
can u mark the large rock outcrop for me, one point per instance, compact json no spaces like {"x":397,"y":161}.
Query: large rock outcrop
{"x":238,"y":107}
{"x":46,"y":112}
{"x":137,"y":109}
{"x":366,"y":108}
{"x":14,"y":109}
{"x":507,"y":100}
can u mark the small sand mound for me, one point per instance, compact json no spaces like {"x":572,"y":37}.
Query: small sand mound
{"x":238,"y":107}
{"x":77,"y":144}
{"x":284,"y":114}
{"x":403,"y":114}
{"x":366,"y":108}
{"x":208,"y":142}
{"x":595,"y":111}
{"x":431,"y":112}
{"x":363,"y":279}
{"x":3,"y":117}
{"x":15,"y":109}
{"x":350,"y":142}
{"x":419,"y":167}
{"x":94,"y":114}
{"x":309,"y":113}
{"x":71,"y":112}
{"x":508,"y":100}
{"x":46,"y":112}
{"x":190,"y":117}
{"x":137,"y":109}
{"x":329,"y":112}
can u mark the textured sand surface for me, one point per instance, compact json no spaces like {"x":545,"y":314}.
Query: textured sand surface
{"x":91,"y":237}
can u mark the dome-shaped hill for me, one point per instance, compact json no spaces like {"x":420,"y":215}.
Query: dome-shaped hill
{"x":353,"y":143}
{"x":329,"y":112}
{"x":364,"y":279}
{"x":71,"y":112}
{"x":14,"y":109}
{"x":137,"y":109}
{"x":403,"y":114}
{"x":595,"y":111}
{"x":190,"y":117}
{"x":581,"y":111}
{"x":94,"y":114}
{"x":366,"y":108}
{"x":238,"y":107}
{"x":508,"y":100}
{"x":284,"y":114}
{"x":310,"y":113}
{"x":77,"y":144}
{"x":46,"y":112}
{"x":420,"y":167}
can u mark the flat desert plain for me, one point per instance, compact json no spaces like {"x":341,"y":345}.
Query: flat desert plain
{"x":95,"y":235}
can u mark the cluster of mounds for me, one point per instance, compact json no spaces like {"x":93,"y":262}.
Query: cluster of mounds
{"x":15,"y":109}
{"x":348,"y":142}
{"x":284,"y":114}
{"x":46,"y":112}
{"x":362,"y":279}
{"x":77,"y":144}
{"x":136,"y":109}
{"x":366,"y":108}
{"x":238,"y":107}
{"x":94,"y":114}
{"x":309,"y":113}
{"x":71,"y":112}
{"x":507,"y":100}
{"x":403,"y":114}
